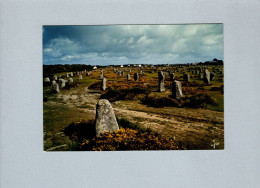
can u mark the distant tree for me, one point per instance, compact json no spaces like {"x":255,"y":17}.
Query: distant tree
{"x":215,"y":59}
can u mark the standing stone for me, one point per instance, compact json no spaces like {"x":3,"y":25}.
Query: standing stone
{"x":80,"y":77}
{"x":206,"y":77}
{"x":172,"y":76}
{"x":187,"y":77}
{"x":212,"y":76}
{"x":53,"y":83}
{"x":161,"y":77}
{"x":70,"y":80}
{"x":101,"y":76}
{"x":68,"y":75}
{"x":136,"y":76}
{"x":122,"y":73}
{"x":62,"y":83}
{"x":55,"y":77}
{"x":128,"y":77}
{"x":201,"y":76}
{"x":47,"y":79}
{"x":71,"y":74}
{"x":56,"y":88}
{"x":103,"y":84}
{"x":105,"y":117}
{"x":176,"y":89}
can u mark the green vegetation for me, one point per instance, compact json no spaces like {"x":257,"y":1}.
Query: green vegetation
{"x":81,"y":136}
{"x":124,"y":123}
{"x":123,"y":94}
{"x":76,"y":103}
{"x":50,"y":70}
{"x":129,"y":139}
{"x":198,"y":101}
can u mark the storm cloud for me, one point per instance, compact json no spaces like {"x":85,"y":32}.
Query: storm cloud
{"x":132,"y":44}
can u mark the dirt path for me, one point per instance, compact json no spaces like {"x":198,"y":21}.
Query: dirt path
{"x":195,"y":127}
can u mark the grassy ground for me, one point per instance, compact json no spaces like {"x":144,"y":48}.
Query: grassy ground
{"x":195,"y":127}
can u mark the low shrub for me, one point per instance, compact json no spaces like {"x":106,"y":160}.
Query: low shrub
{"x":221,"y":89}
{"x":192,"y":84}
{"x":81,"y":130}
{"x":160,"y":102}
{"x":123,"y":94}
{"x":189,"y":91}
{"x":201,"y":89}
{"x":197,"y":101}
{"x":129,"y":139}
{"x":95,"y":85}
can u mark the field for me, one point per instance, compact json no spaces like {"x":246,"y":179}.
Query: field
{"x":196,"y":121}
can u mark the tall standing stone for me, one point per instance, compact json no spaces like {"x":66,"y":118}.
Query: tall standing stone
{"x":103,"y":84}
{"x":136,"y":76}
{"x":201,"y":76}
{"x":56,"y":88}
{"x":172,"y":76}
{"x":212,"y":76}
{"x":53,"y":83}
{"x":80,"y":77}
{"x":55,"y":77}
{"x":176,"y":89}
{"x":128,"y":77}
{"x":187,"y":77}
{"x":161,"y":77}
{"x":68,"y":75}
{"x":101,"y":76}
{"x":71,"y":74}
{"x":70,"y":80}
{"x":62,"y":83}
{"x":206,"y":77}
{"x":105,"y":117}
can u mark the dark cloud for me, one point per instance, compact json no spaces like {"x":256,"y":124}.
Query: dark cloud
{"x":121,"y":44}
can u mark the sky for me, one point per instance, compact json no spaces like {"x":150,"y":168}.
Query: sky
{"x":132,"y":44}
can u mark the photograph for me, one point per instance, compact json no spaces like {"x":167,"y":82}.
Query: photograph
{"x":129,"y":94}
{"x":133,"y":87}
